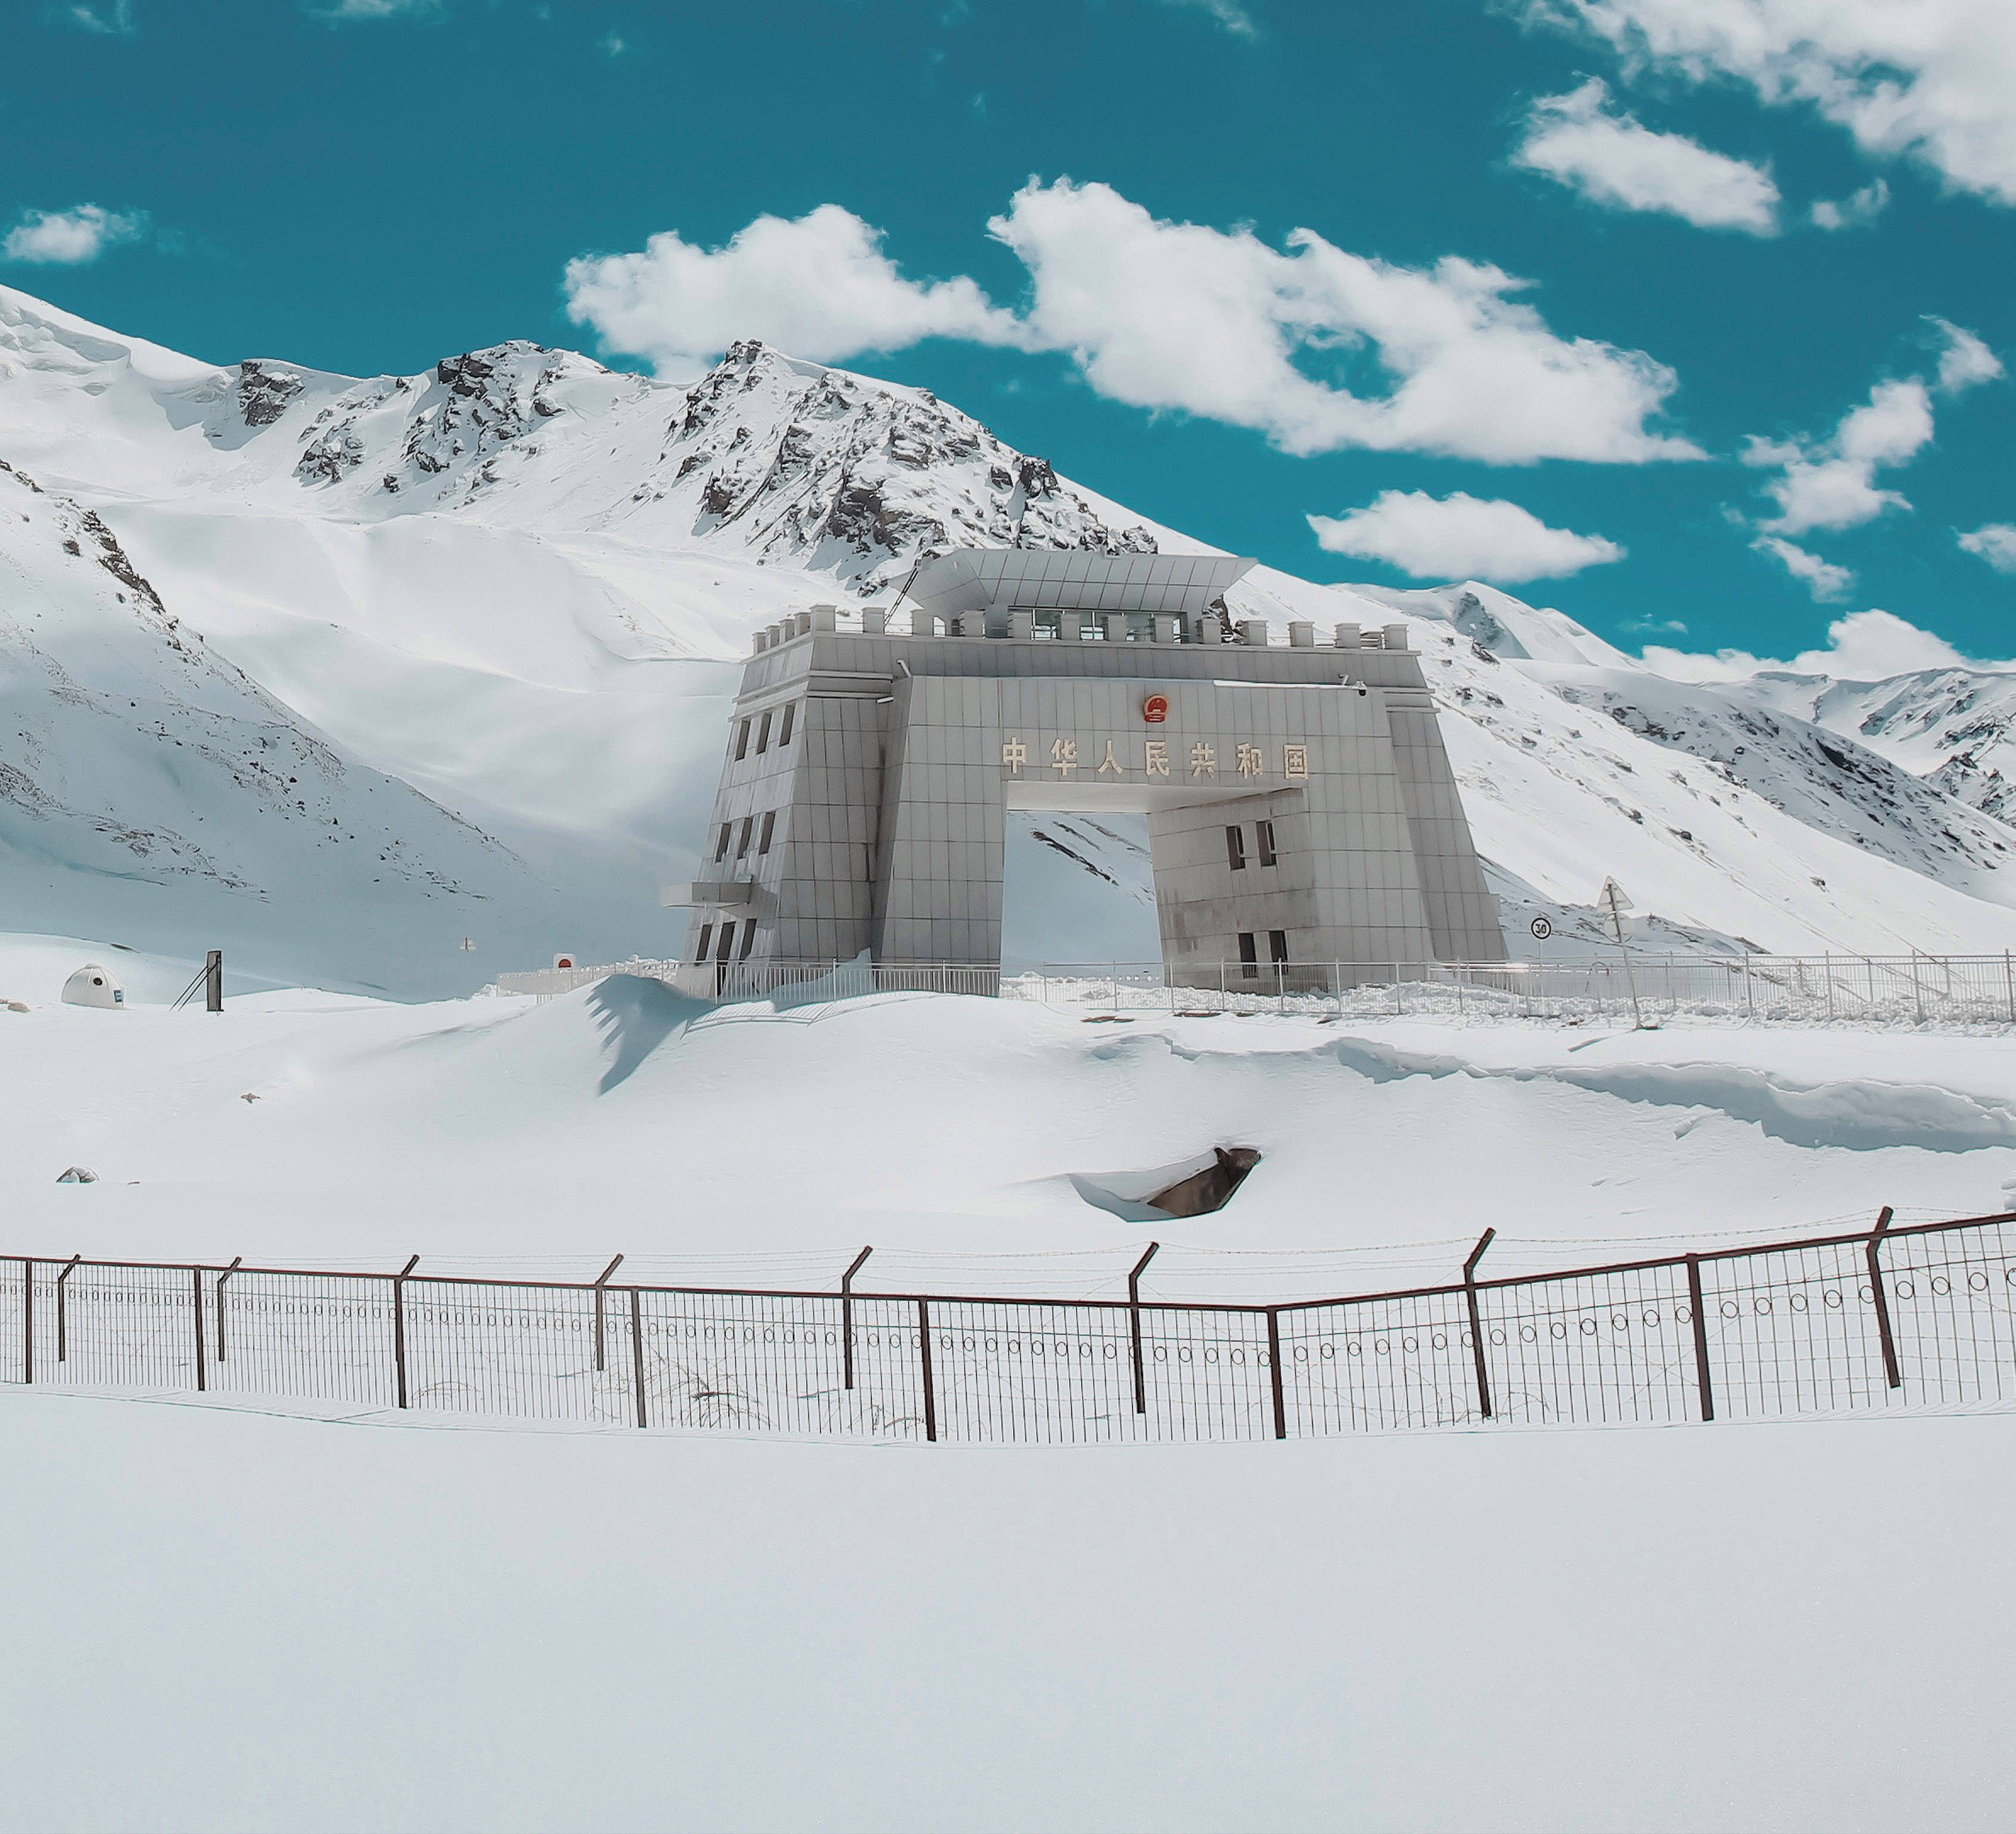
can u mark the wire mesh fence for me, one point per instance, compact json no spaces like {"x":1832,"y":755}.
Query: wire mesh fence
{"x":1921,"y":1315}
{"x":1859,"y":989}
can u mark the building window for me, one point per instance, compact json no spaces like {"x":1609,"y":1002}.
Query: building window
{"x":726,"y":951}
{"x":742,"y":741}
{"x":721,"y":846}
{"x":706,"y":937}
{"x":1249,"y":960}
{"x":1263,"y":832}
{"x":748,"y":938}
{"x":784,"y":731}
{"x":748,"y":827}
{"x":1277,"y":948}
{"x":1234,"y":847}
{"x":769,"y":828}
{"x":763,"y":736}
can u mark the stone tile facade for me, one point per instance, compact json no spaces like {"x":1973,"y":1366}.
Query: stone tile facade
{"x":1301,"y":807}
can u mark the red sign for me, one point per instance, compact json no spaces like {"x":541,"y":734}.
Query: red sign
{"x":1155,"y":709}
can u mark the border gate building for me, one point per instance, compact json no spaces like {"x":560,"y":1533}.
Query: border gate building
{"x":1301,"y":807}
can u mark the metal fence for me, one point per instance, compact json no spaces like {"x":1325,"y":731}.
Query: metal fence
{"x":1903,"y":989}
{"x":1909,"y":1317}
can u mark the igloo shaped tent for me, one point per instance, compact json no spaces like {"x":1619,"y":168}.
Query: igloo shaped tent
{"x":93,"y":985}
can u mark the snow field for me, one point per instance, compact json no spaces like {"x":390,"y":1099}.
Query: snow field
{"x":287,"y":1625}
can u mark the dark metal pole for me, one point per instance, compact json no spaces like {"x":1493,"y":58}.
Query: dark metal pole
{"x":930,"y":1396}
{"x":1477,"y":1321}
{"x":213,"y":981}
{"x":28,"y":1321}
{"x":1274,"y":1370}
{"x":847,"y":1313}
{"x":600,"y":1284}
{"x":637,"y":1349}
{"x":226,"y":1275}
{"x":63,"y":1329}
{"x":399,"y":1325}
{"x":1890,"y":1370}
{"x":1134,"y":1328}
{"x":195,"y":1316}
{"x":1695,"y":1306}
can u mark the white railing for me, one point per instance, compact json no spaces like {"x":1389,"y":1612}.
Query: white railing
{"x":1906,"y":989}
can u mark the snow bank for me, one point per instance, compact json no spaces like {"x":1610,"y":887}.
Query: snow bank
{"x":1859,"y":1113}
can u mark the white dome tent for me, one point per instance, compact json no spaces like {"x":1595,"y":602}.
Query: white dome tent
{"x":94,"y":985}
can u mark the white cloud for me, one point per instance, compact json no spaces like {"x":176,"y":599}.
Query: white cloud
{"x":612,"y":46}
{"x":1995,"y":542}
{"x":1831,"y":482}
{"x":1460,"y":537}
{"x":1168,"y":315}
{"x":1228,"y":13}
{"x":1930,"y":79}
{"x":347,"y":9}
{"x":109,"y":19}
{"x":1856,"y":211}
{"x":1965,"y":361}
{"x":1864,"y":646}
{"x":1823,"y":578}
{"x":820,"y":287}
{"x":69,"y":238}
{"x":1216,"y":323}
{"x":1612,"y":159}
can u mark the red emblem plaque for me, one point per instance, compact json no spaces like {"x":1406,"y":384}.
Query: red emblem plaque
{"x":1155,"y":709}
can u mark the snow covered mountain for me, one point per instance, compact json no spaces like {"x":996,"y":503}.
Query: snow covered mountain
{"x":521,"y":583}
{"x":148,"y":787}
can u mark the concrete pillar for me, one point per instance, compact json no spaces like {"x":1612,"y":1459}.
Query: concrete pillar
{"x":1396,"y":636}
{"x":1071,"y":627}
{"x":874,"y":621}
{"x":1348,"y":636}
{"x":1116,"y":627}
{"x":1022,"y":626}
{"x":760,"y":642}
{"x":1253,"y":632}
{"x":1210,"y":628}
{"x":923,"y":623}
{"x":825,"y":617}
{"x":1301,"y":635}
{"x":801,"y":623}
{"x":973,"y":624}
{"x":1165,"y":630}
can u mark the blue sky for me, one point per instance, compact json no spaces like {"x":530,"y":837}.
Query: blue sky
{"x":368,"y":185}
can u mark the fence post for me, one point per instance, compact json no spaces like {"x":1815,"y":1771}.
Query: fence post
{"x":1749,"y":989}
{"x":399,"y":1325}
{"x":1917,"y":989}
{"x":1477,"y":1321}
{"x":1274,"y":1370}
{"x":1134,"y":1328}
{"x":1694,"y":1304}
{"x":62,"y":1330}
{"x":930,"y":1395}
{"x":1890,"y":1370}
{"x":226,"y":1275}
{"x":637,"y":1349}
{"x":195,"y":1317}
{"x":28,"y":1321}
{"x":602,"y":1280}
{"x":2009,"y":981}
{"x":847,"y":1313}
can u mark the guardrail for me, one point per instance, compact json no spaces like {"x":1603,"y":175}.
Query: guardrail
{"x":1911,"y":989}
{"x":1914,"y":1316}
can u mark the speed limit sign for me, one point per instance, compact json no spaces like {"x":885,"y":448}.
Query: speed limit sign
{"x":1541,"y":929}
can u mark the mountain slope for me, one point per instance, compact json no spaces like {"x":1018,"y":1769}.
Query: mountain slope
{"x":148,"y":787}
{"x":522,"y":582}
